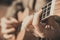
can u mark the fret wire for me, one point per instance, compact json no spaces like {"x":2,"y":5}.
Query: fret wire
{"x":48,"y":7}
{"x":49,"y":2}
{"x":46,"y":11}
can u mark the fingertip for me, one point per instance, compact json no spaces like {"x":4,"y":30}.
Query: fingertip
{"x":39,"y":12}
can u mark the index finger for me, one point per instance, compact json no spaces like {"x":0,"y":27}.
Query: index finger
{"x":36,"y":19}
{"x":9,"y":20}
{"x":13,"y":20}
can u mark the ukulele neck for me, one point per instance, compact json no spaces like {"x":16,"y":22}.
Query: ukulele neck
{"x":48,"y":10}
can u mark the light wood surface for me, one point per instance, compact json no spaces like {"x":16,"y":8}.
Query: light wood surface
{"x":57,"y":8}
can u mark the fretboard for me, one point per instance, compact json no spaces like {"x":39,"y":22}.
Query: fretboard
{"x":46,"y":10}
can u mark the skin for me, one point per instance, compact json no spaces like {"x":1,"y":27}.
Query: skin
{"x":29,"y":23}
{"x":31,"y":20}
{"x":7,"y":28}
{"x":23,"y":29}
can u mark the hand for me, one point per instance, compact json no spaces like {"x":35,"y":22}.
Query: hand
{"x":26,"y":22}
{"x":31,"y":23}
{"x":8,"y":26}
{"x":22,"y":15}
{"x":38,"y":29}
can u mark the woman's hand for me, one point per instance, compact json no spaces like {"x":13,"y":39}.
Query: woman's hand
{"x":8,"y":26}
{"x":26,"y":22}
{"x":32,"y":23}
{"x":38,"y":29}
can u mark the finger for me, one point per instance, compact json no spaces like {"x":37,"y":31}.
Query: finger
{"x":39,"y":12}
{"x":7,"y":26}
{"x":35,"y":34}
{"x":30,"y":28}
{"x":36,"y":19}
{"x":9,"y":20}
{"x":6,"y":23}
{"x":3,"y":22}
{"x":6,"y":31}
{"x":39,"y":34}
{"x":12,"y":25}
{"x":27,"y":21}
{"x":6,"y":36}
{"x":13,"y":20}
